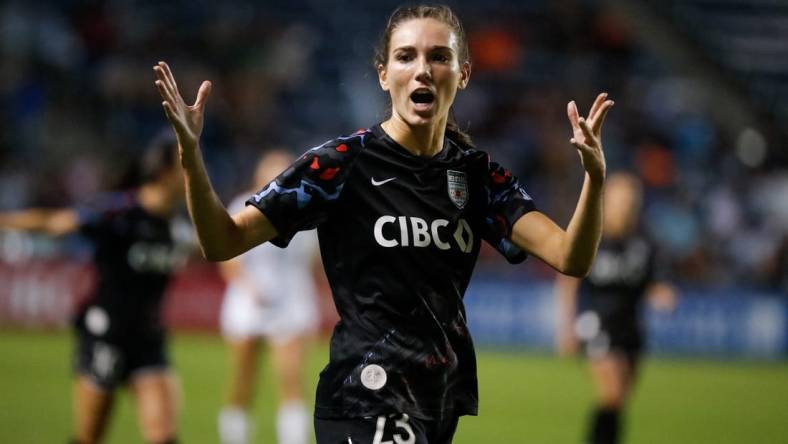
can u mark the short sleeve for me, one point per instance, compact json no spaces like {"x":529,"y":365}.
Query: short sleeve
{"x":506,"y":203}
{"x":302,"y":197}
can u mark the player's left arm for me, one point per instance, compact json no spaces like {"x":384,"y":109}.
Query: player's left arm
{"x":572,"y":251}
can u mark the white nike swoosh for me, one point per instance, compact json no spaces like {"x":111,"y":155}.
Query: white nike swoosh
{"x":377,"y":184}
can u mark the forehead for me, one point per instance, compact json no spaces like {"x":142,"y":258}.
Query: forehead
{"x":423,"y":33}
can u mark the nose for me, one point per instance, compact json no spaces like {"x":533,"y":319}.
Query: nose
{"x":423,"y":70}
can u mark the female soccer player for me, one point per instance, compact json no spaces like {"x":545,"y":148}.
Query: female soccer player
{"x":606,"y":318}
{"x":270,"y":294}
{"x":120,"y":338}
{"x":400,"y":209}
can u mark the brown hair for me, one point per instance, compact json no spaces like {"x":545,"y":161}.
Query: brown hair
{"x":443,"y":14}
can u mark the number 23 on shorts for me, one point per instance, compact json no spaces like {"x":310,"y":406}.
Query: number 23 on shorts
{"x":407,"y":437}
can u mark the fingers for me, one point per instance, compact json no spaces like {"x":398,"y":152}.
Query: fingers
{"x":580,"y":145}
{"x":164,"y":92}
{"x":587,"y":131}
{"x":164,"y":85}
{"x":162,"y":76}
{"x":168,"y":76}
{"x":202,"y":94}
{"x":169,"y":112}
{"x":597,"y":103}
{"x":571,"y":112}
{"x":597,"y":125}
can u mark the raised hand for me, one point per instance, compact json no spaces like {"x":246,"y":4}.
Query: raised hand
{"x":587,"y":135}
{"x":186,"y":120}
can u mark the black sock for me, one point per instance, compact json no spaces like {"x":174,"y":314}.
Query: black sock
{"x":169,"y":441}
{"x":604,"y":426}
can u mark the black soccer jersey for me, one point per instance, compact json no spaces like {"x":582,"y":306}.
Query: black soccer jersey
{"x":399,"y":237}
{"x":134,"y":256}
{"x":615,"y":287}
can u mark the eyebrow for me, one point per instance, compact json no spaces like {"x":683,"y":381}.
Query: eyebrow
{"x":433,"y":48}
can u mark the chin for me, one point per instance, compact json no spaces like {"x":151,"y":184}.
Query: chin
{"x":421,"y":119}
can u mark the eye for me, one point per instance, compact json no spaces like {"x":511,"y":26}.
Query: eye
{"x":403,"y":56}
{"x":441,"y":57}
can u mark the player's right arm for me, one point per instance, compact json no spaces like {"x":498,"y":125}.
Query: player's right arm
{"x":54,"y":222}
{"x":566,"y":288}
{"x":221,"y":235}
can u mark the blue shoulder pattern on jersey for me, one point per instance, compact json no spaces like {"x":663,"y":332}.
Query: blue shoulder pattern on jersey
{"x":507,"y":201}
{"x":301,"y":197}
{"x":303,"y":193}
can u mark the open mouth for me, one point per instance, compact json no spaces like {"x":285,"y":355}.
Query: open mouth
{"x":422,"y":97}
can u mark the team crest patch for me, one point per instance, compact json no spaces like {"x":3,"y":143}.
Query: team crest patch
{"x":458,"y":187}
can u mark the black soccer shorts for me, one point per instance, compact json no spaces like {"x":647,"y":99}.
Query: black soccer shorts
{"x":614,"y":335}
{"x":110,"y":363}
{"x":393,"y":428}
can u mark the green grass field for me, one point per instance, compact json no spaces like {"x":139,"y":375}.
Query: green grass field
{"x":525,"y":398}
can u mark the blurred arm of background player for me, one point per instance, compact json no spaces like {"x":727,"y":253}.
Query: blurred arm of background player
{"x":566,"y":301}
{"x":54,"y":222}
{"x":221,"y":235}
{"x":661,"y":296}
{"x":572,"y":251}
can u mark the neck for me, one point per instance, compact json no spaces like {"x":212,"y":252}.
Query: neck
{"x":422,"y":140}
{"x":155,"y":199}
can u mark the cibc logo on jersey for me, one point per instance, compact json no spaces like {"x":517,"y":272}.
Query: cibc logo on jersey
{"x":417,"y":232}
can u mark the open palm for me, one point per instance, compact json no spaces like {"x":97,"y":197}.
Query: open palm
{"x":186,"y":120}
{"x":587,"y":134}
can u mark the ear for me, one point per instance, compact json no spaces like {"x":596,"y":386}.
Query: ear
{"x":383,"y":77}
{"x":465,"y":75}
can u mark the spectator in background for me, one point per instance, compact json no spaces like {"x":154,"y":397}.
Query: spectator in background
{"x":270,"y":295}
{"x":602,"y":312}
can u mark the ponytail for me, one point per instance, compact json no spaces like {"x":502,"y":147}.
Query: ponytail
{"x":457,"y":135}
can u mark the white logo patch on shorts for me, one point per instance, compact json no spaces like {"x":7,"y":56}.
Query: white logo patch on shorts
{"x":373,"y":377}
{"x":97,"y":321}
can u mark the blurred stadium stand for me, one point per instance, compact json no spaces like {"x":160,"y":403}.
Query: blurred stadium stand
{"x":700,"y":88}
{"x":746,"y":37}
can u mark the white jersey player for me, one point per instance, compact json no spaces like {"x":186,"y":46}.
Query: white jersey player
{"x":270,"y":296}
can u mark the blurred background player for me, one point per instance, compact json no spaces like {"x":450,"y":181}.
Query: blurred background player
{"x":119,"y":334}
{"x":602,"y":311}
{"x":270,"y":295}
